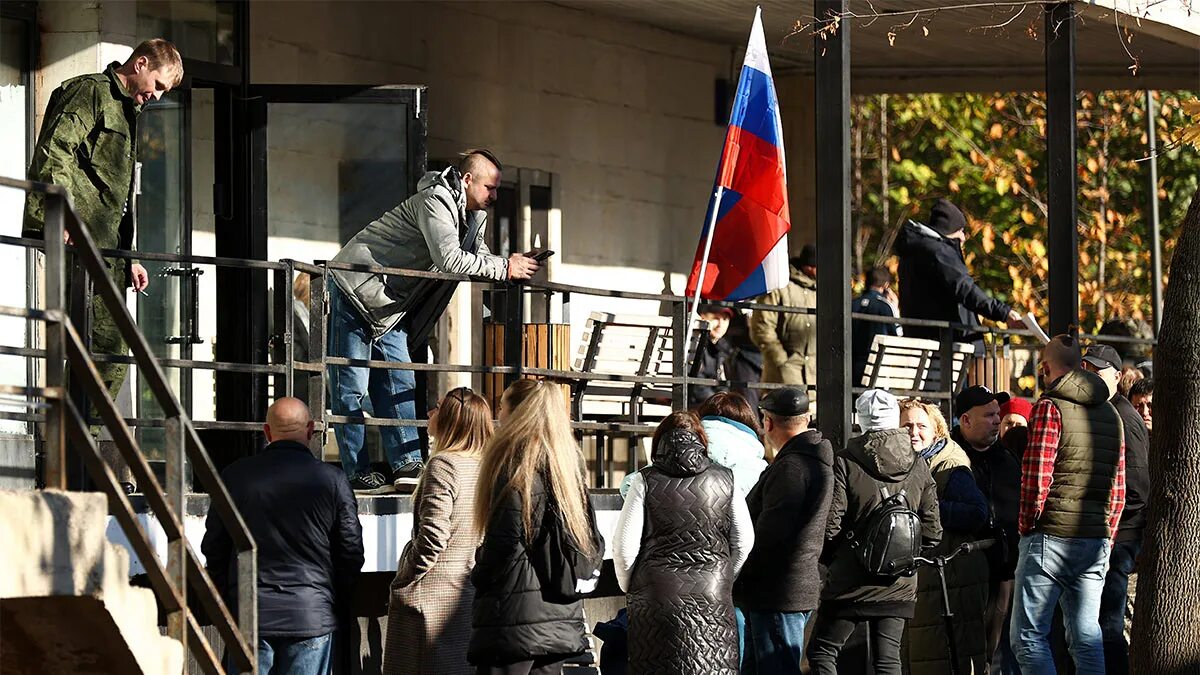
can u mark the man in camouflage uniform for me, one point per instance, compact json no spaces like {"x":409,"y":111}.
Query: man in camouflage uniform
{"x":88,"y":146}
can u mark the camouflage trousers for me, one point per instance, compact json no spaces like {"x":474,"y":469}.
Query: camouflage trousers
{"x":106,"y":339}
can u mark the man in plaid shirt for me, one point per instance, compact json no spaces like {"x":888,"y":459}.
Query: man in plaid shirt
{"x":1072,"y":495}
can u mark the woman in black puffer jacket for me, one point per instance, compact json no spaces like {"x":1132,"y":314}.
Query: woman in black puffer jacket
{"x":682,"y":537}
{"x":530,"y":464}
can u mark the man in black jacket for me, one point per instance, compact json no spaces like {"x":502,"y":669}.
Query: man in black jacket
{"x":304,"y":518}
{"x":998,"y":475}
{"x":934,"y":281}
{"x":780,"y":585}
{"x":877,"y":300}
{"x":1106,"y":362}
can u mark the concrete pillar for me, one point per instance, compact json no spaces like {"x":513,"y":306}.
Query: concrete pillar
{"x":799,"y":131}
{"x":79,"y":37}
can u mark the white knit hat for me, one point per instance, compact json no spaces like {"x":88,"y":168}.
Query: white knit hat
{"x":877,"y":409}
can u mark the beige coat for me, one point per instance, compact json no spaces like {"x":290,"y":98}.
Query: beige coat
{"x":429,"y":618}
{"x":788,"y":341}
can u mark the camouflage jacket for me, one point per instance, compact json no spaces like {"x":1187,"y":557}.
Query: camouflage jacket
{"x":88,"y":146}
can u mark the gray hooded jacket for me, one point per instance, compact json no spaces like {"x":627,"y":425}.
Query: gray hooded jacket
{"x":423,"y":233}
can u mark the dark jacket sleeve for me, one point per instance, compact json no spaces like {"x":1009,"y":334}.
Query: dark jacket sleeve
{"x":837,"y":507}
{"x":345,"y":544}
{"x":931,"y":522}
{"x":501,"y":544}
{"x":787,"y":498}
{"x":217,"y":548}
{"x":963,"y":507}
{"x":956,"y":277}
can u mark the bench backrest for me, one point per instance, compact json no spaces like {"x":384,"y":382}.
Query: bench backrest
{"x":627,"y":344}
{"x":901,"y":363}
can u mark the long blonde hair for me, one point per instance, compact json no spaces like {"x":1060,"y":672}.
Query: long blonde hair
{"x":535,"y":440}
{"x":940,"y":428}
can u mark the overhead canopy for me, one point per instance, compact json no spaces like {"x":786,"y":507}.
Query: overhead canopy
{"x":989,"y":48}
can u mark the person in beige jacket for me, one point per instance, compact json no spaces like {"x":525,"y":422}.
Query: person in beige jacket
{"x":429,"y":617}
{"x":788,"y":341}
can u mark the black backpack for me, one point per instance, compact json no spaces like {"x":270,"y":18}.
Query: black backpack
{"x":564,"y":572}
{"x":889,"y":537}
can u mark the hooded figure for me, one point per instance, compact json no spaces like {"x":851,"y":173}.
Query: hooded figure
{"x":934,"y":281}
{"x":682,"y":537}
{"x":878,"y":463}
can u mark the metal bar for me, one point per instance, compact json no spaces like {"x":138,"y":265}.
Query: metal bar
{"x":1062,"y":237}
{"x":121,"y":509}
{"x":177,"y":625}
{"x":30,"y":392}
{"x":679,"y":349}
{"x":198,"y":645}
{"x":318,"y":309}
{"x":219,"y":366}
{"x":54,"y":436}
{"x":1156,"y":286}
{"x":831,"y":53}
{"x":218,"y":613}
{"x":247,"y":594}
{"x":282,"y":337}
{"x":216,"y":261}
{"x":514,"y":333}
{"x":946,"y":373}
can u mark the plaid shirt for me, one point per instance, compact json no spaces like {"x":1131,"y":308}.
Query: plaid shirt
{"x":1037,"y":470}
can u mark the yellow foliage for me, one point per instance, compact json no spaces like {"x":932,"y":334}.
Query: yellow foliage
{"x":1037,"y":248}
{"x":989,"y":239}
{"x":997,"y":131}
{"x":1003,"y":184}
{"x":1027,"y":217}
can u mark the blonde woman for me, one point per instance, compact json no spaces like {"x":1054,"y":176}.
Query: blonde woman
{"x":964,"y":513}
{"x":429,"y":618}
{"x":532,"y":471}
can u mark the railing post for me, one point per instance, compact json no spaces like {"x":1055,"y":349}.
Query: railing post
{"x":514,"y":332}
{"x":174,"y":449}
{"x":54,"y":433}
{"x":680,"y":339}
{"x":946,"y":372}
{"x":318,"y":304}
{"x":284,"y":330}
{"x":247,"y":599}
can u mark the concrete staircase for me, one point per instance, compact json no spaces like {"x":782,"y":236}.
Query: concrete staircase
{"x":66,"y":605}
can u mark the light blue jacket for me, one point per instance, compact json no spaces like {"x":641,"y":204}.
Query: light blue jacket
{"x":732,"y":445}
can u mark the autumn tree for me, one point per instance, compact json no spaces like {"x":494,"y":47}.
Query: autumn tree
{"x":1168,"y":593}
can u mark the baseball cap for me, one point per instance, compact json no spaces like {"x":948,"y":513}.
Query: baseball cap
{"x":973,"y":397}
{"x":786,"y":402}
{"x":1103,"y":356}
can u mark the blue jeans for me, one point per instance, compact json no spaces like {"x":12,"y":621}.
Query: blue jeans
{"x":775,"y":642}
{"x":392,"y":392}
{"x":1112,"y":606}
{"x":295,"y":656}
{"x":1059,"y":570}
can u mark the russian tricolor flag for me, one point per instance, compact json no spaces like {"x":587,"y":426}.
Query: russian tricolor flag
{"x":743,"y":248}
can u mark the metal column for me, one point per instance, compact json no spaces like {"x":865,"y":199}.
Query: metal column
{"x":1156,"y":288}
{"x":831,"y":52}
{"x":1062,"y":235}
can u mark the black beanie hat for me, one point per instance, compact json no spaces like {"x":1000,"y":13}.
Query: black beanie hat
{"x":945,"y":218}
{"x":807,"y":257}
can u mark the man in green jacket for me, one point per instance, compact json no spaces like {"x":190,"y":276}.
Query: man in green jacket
{"x":88,"y":146}
{"x":788,"y":340}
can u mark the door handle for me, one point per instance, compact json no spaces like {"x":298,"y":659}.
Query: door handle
{"x":190,"y":285}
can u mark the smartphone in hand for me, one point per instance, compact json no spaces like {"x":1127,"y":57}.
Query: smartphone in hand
{"x":542,"y":256}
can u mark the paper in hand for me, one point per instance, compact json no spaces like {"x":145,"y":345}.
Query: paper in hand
{"x":1032,"y":324}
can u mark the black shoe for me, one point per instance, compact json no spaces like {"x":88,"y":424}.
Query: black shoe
{"x":129,"y":488}
{"x":407,"y":474}
{"x":372,"y":483}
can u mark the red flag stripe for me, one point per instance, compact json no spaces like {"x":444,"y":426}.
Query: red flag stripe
{"x":758,"y":174}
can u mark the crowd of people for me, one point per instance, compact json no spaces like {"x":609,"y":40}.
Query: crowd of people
{"x":728,"y":560}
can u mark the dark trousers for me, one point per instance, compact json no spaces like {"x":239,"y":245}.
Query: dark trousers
{"x":831,"y":633}
{"x":547,"y":665}
{"x":1112,"y":606}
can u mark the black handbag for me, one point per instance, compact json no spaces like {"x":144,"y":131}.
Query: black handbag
{"x":564,"y":572}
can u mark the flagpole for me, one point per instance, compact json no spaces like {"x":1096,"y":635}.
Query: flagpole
{"x":712,"y":228}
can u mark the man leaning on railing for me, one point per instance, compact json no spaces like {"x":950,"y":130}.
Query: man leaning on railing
{"x":382,"y":317}
{"x":87,"y":146}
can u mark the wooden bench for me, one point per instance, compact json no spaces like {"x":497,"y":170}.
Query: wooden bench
{"x":627,"y":344}
{"x":913,"y":364}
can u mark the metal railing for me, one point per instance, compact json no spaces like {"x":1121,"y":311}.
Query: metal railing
{"x":65,"y":425}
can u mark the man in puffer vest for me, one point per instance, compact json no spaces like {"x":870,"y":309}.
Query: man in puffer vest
{"x":1072,"y":495}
